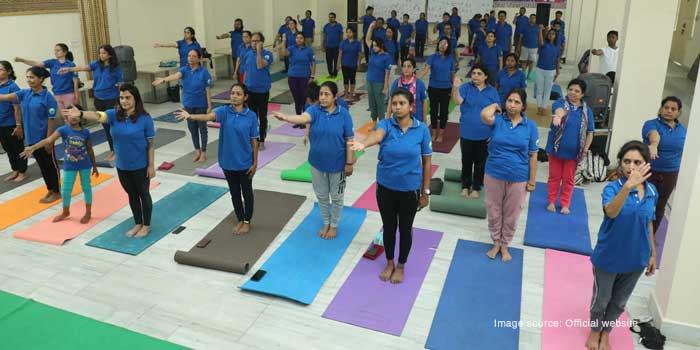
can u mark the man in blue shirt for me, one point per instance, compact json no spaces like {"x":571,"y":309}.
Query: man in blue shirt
{"x":332,"y":36}
{"x":421,"y":35}
{"x":504,"y":33}
{"x":440,"y":27}
{"x":236,"y":36}
{"x":520,"y":21}
{"x":530,"y":45}
{"x":406,"y":30}
{"x":557,"y":17}
{"x":473,"y":26}
{"x":491,"y":21}
{"x":308,"y":27}
{"x":367,"y":19}
{"x":284,"y":30}
{"x":394,"y":24}
{"x":456,"y":21}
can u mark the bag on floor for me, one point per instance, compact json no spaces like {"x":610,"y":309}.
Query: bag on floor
{"x":542,"y":156}
{"x":174,"y":93}
{"x":649,"y":335}
{"x":592,"y":168}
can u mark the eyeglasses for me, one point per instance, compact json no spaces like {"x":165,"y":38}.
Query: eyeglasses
{"x":636,"y":162}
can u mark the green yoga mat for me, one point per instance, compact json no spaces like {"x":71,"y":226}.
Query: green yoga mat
{"x":326,"y":78}
{"x":450,"y":201}
{"x":28,"y":325}
{"x":303,"y":172}
{"x":277,"y":76}
{"x":449,"y":109}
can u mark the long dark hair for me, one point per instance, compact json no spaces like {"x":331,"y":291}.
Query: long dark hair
{"x":113,"y":60}
{"x":64,"y":48}
{"x":448,"y":51}
{"x":138,"y":102}
{"x":39,"y":72}
{"x":191,"y":30}
{"x":10,"y":71}
{"x":312,"y":91}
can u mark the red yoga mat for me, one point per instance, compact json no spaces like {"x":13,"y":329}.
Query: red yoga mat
{"x":368,"y":200}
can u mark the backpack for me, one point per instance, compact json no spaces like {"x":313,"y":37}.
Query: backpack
{"x":584,"y":62}
{"x":649,"y":335}
{"x":592,"y":168}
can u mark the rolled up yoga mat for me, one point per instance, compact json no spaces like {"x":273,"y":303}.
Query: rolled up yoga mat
{"x":450,"y":201}
{"x":303,"y":172}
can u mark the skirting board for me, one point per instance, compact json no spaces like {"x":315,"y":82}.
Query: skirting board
{"x":674,"y":331}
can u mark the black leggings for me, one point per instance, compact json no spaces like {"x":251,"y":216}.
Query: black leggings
{"x":240,"y":183}
{"x":136,"y":184}
{"x":474,"y":155}
{"x":13,"y":146}
{"x":404,"y":53}
{"x":397,"y":209}
{"x":49,"y":169}
{"x":257,"y":102}
{"x":420,"y":45}
{"x":367,"y":50}
{"x":103,"y":105}
{"x":349,"y":75}
{"x":439,"y":106}
{"x":332,"y":61}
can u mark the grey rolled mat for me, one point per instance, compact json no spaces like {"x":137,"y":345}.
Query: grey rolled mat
{"x":185,"y":166}
{"x":163,"y":137}
{"x":238,"y":253}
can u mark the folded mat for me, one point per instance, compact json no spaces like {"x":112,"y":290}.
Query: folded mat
{"x":168,"y":213}
{"x":303,"y":172}
{"x":284,"y":98}
{"x":545,"y":229}
{"x":366,"y":301}
{"x":272,"y":151}
{"x":185,"y":166}
{"x":298,"y":268}
{"x":108,"y":200}
{"x":287,"y":129}
{"x":568,"y":288}
{"x":477,"y":292}
{"x":237,"y":253}
{"x":30,"y":325}
{"x":450,"y":201}
{"x":368,"y":200}
{"x":27,"y":205}
{"x":449,"y":139}
{"x":163,"y":137}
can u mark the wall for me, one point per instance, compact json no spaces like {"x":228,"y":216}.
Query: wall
{"x":610,"y":15}
{"x":692,"y":48}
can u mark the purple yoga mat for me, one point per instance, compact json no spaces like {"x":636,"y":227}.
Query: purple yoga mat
{"x":287,"y":130}
{"x":272,"y":151}
{"x":224,"y":95}
{"x":365,"y":301}
{"x":660,"y":238}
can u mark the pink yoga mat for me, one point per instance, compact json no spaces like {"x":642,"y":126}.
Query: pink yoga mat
{"x":568,"y":287}
{"x":272,"y":151}
{"x":106,"y":201}
{"x":368,"y":200}
{"x":287,"y":129}
{"x":366,"y":301}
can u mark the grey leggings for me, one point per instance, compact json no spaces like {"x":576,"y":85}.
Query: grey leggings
{"x":610,"y":294}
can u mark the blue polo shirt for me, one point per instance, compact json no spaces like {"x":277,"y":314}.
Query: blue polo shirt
{"x":456,"y":22}
{"x":351,"y":52}
{"x":37,"y":109}
{"x":300,"y":60}
{"x":504,"y":34}
{"x":236,"y":41}
{"x":328,"y":136}
{"x":441,"y":27}
{"x":339,"y":101}
{"x":510,"y":148}
{"x":480,"y":38}
{"x":406,"y":31}
{"x":531,"y":36}
{"x":75,"y":142}
{"x":61,"y":84}
{"x":623,"y":242}
{"x":391,"y":49}
{"x":291,"y":39}
{"x":378,"y":65}
{"x":453,"y":40}
{"x":7,"y":110}
{"x":131,"y":140}
{"x":379,"y":33}
{"x":569,"y":145}
{"x":366,"y":21}
{"x":473,"y":25}
{"x":194,"y":86}
{"x":520,"y":23}
{"x":671,"y":145}
{"x":441,"y":68}
{"x":562,"y":27}
{"x":393,"y":23}
{"x":419,"y":98}
{"x":334,"y":34}
{"x":105,"y":80}
{"x":470,"y":125}
{"x":284,"y":29}
{"x":307,"y":27}
{"x":507,"y":82}
{"x":491,"y":24}
{"x":400,"y":155}
{"x":490,"y":56}
{"x":421,"y":27}
{"x":258,"y":80}
{"x":235,"y":133}
{"x":561,"y":39}
{"x":548,"y":56}
{"x":242,"y":52}
{"x":183,"y":49}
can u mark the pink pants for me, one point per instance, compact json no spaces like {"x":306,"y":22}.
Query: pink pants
{"x":64,"y":101}
{"x":561,"y":173}
{"x":504,"y":203}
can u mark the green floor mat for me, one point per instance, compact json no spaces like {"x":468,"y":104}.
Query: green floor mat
{"x":450,"y":201}
{"x":303,"y":172}
{"x":277,"y":76}
{"x":326,"y":78}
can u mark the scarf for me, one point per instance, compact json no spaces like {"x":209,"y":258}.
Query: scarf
{"x":410,"y":85}
{"x":583,"y":128}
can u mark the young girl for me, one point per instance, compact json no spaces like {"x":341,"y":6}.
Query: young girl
{"x":79,"y":158}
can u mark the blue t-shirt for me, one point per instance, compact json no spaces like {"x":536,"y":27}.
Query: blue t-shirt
{"x":520,"y":23}
{"x":490,"y":56}
{"x":291,"y":39}
{"x":391,"y":49}
{"x":235,"y":133}
{"x":569,"y":144}
{"x":473,"y":25}
{"x":183,"y":49}
{"x":37,"y":109}
{"x":561,"y":27}
{"x":131,"y":140}
{"x":470,"y":125}
{"x":504,"y":33}
{"x":441,"y":68}
{"x":441,"y":27}
{"x":480,"y":38}
{"x":307,"y":27}
{"x":491,"y":24}
{"x":670,"y":146}
{"x":328,"y":137}
{"x":242,"y":52}
{"x":406,"y":31}
{"x":561,"y":39}
{"x":194,"y":86}
{"x":379,"y":33}
{"x":378,"y":65}
{"x":75,"y":144}
{"x":623,"y":241}
{"x":258,"y":80}
{"x":531,"y":36}
{"x":456,"y":22}
{"x":548,"y":56}
{"x":284,"y":29}
{"x":400,"y":155}
{"x":61,"y":84}
{"x":366,"y":21}
{"x":421,"y":27}
{"x":236,"y":42}
{"x":334,"y":34}
{"x":300,"y":60}
{"x":507,"y":82}
{"x":510,"y":148}
{"x":105,"y":80}
{"x":351,"y":52}
{"x":419,"y":98}
{"x":393,"y":23}
{"x":7,"y":110}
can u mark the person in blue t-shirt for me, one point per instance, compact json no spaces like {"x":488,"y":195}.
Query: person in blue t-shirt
{"x":403,"y":177}
{"x":332,"y":37}
{"x":442,"y":72}
{"x":547,"y":71}
{"x":409,"y":81}
{"x":236,"y":36}
{"x":308,"y":27}
{"x":258,"y":82}
{"x":350,"y":57}
{"x":557,"y":18}
{"x":491,"y":55}
{"x":473,"y":26}
{"x":421,"y":36}
{"x":238,"y":151}
{"x":79,"y":158}
{"x":530,"y":45}
{"x":302,"y":68}
{"x":331,"y":159}
{"x":510,"y":77}
{"x":407,"y":33}
{"x":561,"y":40}
{"x":288,"y":40}
{"x":665,"y":136}
{"x":479,"y":38}
{"x":367,"y":19}
{"x":625,"y":246}
{"x":439,"y":27}
{"x":394,"y":24}
{"x":511,"y":168}
{"x":504,"y":33}
{"x":448,"y":32}
{"x":456,"y":22}
{"x":520,"y":22}
{"x":391,"y":47}
{"x":184,"y":46}
{"x":378,"y":69}
{"x":11,"y":132}
{"x":491,"y":21}
{"x":284,"y":29}
{"x":243,"y":49}
{"x":196,"y":99}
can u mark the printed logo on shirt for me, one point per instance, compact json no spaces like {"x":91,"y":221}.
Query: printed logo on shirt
{"x":267,"y":57}
{"x":52,"y":111}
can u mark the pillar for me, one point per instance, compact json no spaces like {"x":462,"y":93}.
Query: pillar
{"x":610,"y":15}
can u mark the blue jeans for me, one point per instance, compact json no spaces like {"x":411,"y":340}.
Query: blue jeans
{"x":198,"y":129}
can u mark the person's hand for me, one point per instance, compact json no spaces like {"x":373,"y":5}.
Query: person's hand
{"x":423,"y":201}
{"x":252,"y":169}
{"x":158,"y":82}
{"x":151,"y":172}
{"x":497,"y":108}
{"x":541,"y":26}
{"x":156,"y":45}
{"x":64,"y":70}
{"x":638,"y":176}
{"x":306,"y":140}
{"x":372,"y":25}
{"x":530,"y":187}
{"x":279,"y":116}
{"x":654,"y":152}
{"x":556,"y":120}
{"x":27,"y":152}
{"x":18,"y":132}
{"x":259,"y":46}
{"x":73,"y":111}
{"x":356,"y":145}
{"x":457,"y":81}
{"x":651,"y":266}
{"x":95,"y":172}
{"x":49,"y":148}
{"x":348,"y":170}
{"x":218,"y":37}
{"x":182,"y":114}
{"x":208,"y":109}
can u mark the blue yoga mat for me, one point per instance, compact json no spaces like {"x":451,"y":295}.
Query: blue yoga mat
{"x":168,"y":213}
{"x":477,"y":292}
{"x":557,"y":231}
{"x":298,"y":268}
{"x":97,"y":138}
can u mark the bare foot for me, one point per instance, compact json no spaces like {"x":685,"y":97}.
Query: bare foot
{"x":237,"y":227}
{"x":439,"y":136}
{"x":388,"y":270}
{"x":505,"y":255}
{"x":465,"y":193}
{"x":323,"y":231}
{"x":433,"y":134}
{"x":64,"y":214}
{"x":143,"y":232}
{"x":202,"y":158}
{"x":332,"y":233}
{"x":397,"y":276}
{"x":474,"y":195}
{"x":197,"y":154}
{"x":551,"y":207}
{"x":493,"y":251}
{"x":604,"y":341}
{"x":86,"y":218}
{"x":565,"y":211}
{"x":245,"y":228}
{"x":593,"y":340}
{"x":52,"y":197}
{"x":110,"y":157}
{"x":133,"y":231}
{"x":20,"y":177}
{"x":12,"y":176}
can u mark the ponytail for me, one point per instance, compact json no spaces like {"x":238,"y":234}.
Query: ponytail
{"x":64,"y":48}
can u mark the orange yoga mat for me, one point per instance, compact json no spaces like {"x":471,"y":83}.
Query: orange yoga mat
{"x":365,"y":128}
{"x":106,"y":201}
{"x":27,"y":205}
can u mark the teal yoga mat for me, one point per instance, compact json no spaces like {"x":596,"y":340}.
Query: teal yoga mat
{"x":168,"y":213}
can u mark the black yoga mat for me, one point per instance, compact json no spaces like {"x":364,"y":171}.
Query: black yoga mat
{"x":163,"y":137}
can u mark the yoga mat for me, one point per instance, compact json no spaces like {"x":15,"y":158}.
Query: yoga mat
{"x":97,"y":136}
{"x":545,"y":229}
{"x":365,"y":129}
{"x":33,"y":172}
{"x":107,"y":201}
{"x":185,"y":166}
{"x":168,"y":118}
{"x":327,"y":77}
{"x":660,"y":240}
{"x":450,"y":200}
{"x":287,"y":129}
{"x":163,"y":137}
{"x":27,"y":205}
{"x":303,"y":172}
{"x":277,"y":76}
{"x":224,"y":95}
{"x":477,"y":292}
{"x":298,"y":268}
{"x":272,"y":150}
{"x":168,"y":213}
{"x":568,"y":288}
{"x":368,"y":200}
{"x":284,"y":98}
{"x":449,"y":139}
{"x":366,"y":301}
{"x":30,"y":325}
{"x":237,"y":253}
